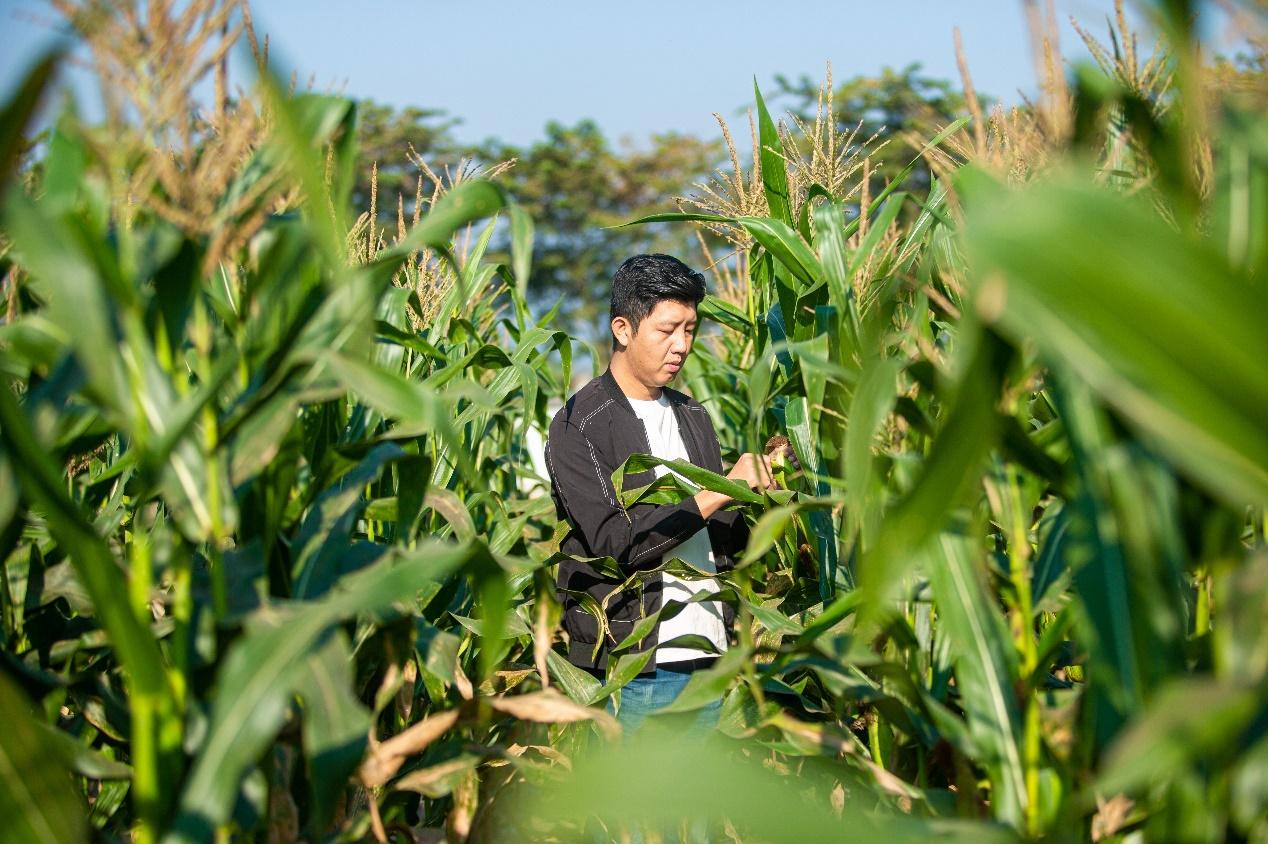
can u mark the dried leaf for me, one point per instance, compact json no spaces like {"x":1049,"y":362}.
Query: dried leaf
{"x":435,"y":781}
{"x":550,"y":707}
{"x":386,"y":759}
{"x":1110,"y":815}
{"x":466,"y":797}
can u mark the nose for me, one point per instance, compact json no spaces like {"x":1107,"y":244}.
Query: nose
{"x":681,"y":343}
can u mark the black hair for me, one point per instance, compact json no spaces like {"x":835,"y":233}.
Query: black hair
{"x":644,"y":280}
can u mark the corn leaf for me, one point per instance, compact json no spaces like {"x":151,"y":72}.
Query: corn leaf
{"x":1160,"y":327}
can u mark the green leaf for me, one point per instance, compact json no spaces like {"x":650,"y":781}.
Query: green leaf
{"x":901,"y":178}
{"x":17,"y":113}
{"x":949,"y":474}
{"x":830,"y":243}
{"x":1127,"y":583}
{"x":465,"y":203}
{"x":709,"y":684}
{"x":264,"y":669}
{"x":576,"y":683}
{"x":1102,"y":284}
{"x":38,"y":801}
{"x":521,"y":248}
{"x":668,"y":610}
{"x":335,"y":724}
{"x":678,"y":217}
{"x":95,"y":566}
{"x":876,"y":232}
{"x":78,"y":301}
{"x":450,"y":507}
{"x":1248,"y":791}
{"x":1241,"y":637}
{"x":323,"y":538}
{"x":702,"y":478}
{"x":399,"y":398}
{"x":798,"y":427}
{"x":82,"y":760}
{"x":724,"y":312}
{"x":786,"y":246}
{"x":303,"y":125}
{"x":769,"y":528}
{"x":514,"y":627}
{"x":255,"y":684}
{"x":873,"y":399}
{"x":1193,"y":721}
{"x":986,"y":669}
{"x":774,"y":176}
{"x":621,"y":671}
{"x":1053,"y":559}
{"x":64,"y":166}
{"x":774,"y":620}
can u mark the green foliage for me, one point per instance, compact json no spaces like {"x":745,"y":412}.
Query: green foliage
{"x":227,"y":489}
{"x":1045,"y":476}
{"x":276,"y":561}
{"x":38,"y":803}
{"x":575,"y":184}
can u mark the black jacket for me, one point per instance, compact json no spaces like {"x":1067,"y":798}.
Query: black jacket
{"x":590,"y":437}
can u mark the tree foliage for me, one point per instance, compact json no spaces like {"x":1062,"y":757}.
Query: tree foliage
{"x":386,"y":136}
{"x":578,"y":184}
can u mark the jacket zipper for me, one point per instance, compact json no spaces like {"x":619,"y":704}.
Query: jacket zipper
{"x":642,"y":590}
{"x":642,"y":426}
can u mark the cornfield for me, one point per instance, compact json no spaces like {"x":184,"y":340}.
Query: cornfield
{"x":277,"y":565}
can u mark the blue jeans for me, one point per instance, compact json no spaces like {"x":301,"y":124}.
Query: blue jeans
{"x":644,"y":696}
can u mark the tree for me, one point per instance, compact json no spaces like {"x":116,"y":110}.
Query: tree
{"x":577,"y":187}
{"x":385,"y":137}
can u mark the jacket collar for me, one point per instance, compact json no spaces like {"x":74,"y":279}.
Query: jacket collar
{"x":686,"y":426}
{"x":608,"y":380}
{"x":615,"y":392}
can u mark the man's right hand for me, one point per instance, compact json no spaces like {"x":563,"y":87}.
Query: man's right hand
{"x":754,"y":470}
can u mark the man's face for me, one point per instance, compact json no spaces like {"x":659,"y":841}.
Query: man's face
{"x":659,"y":349}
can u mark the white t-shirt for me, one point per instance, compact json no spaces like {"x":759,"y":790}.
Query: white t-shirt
{"x":704,"y":618}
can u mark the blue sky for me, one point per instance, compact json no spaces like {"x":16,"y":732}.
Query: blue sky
{"x":506,"y":68}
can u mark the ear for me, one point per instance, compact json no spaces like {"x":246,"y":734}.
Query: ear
{"x":622,"y":330}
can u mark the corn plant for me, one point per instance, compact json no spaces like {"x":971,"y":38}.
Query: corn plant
{"x":1031,"y":423}
{"x":253,"y":520}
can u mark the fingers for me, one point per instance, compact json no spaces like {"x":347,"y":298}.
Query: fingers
{"x":757,"y":470}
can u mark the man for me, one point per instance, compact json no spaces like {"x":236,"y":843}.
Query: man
{"x":628,"y":410}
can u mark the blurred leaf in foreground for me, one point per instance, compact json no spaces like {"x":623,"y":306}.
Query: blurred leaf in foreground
{"x":38,"y":801}
{"x":1156,"y":322}
{"x":660,"y":779}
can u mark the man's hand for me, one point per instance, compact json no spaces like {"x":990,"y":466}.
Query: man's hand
{"x":751,"y":469}
{"x":754,"y":470}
